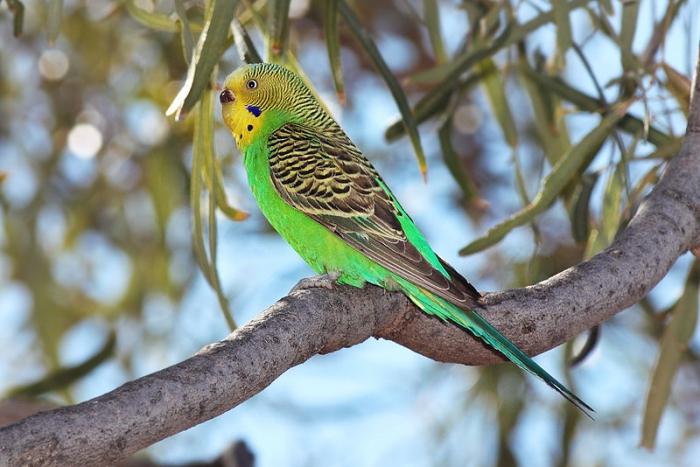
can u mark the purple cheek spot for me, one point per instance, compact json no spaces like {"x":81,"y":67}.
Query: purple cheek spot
{"x":254,"y":110}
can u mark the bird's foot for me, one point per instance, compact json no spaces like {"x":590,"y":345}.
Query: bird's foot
{"x":324,"y":281}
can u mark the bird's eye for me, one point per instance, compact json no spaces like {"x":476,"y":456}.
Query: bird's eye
{"x":226,"y":96}
{"x":252,"y":84}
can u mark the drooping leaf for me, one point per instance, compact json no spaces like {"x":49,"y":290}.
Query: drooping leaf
{"x":186,"y":36}
{"x":210,"y":47}
{"x":278,"y":29}
{"x":431,"y":15}
{"x":679,"y":86}
{"x":495,"y":91}
{"x":64,"y":377}
{"x":424,"y":110}
{"x":627,"y":123}
{"x":452,"y":162}
{"x":372,"y":51}
{"x":246,"y":49}
{"x":580,"y":211}
{"x":567,"y":167}
{"x":563,"y":22}
{"x":330,"y":30}
{"x":674,"y":343}
{"x":17,"y":9}
{"x":202,"y":156}
{"x":630,"y":14}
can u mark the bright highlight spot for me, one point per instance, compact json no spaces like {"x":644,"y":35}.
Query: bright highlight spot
{"x":53,"y":64}
{"x":467,"y":119}
{"x":298,"y":8}
{"x":84,"y":140}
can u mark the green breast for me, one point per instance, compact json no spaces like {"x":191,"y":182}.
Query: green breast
{"x":320,"y":248}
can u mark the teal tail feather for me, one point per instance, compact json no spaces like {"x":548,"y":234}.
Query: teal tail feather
{"x":472,"y":321}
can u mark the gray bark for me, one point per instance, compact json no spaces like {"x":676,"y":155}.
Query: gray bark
{"x":320,"y":317}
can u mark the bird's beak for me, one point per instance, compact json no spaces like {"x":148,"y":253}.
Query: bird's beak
{"x":227,"y":96}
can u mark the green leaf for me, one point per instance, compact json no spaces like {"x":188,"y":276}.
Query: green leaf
{"x":54,"y":16}
{"x":63,"y":377}
{"x":553,"y":184}
{"x":185,"y":30}
{"x":202,"y":161}
{"x":370,"y":47}
{"x":606,"y":6}
{"x":548,"y":115}
{"x":17,"y":9}
{"x":450,"y":76}
{"x":679,"y":86}
{"x":453,"y":163}
{"x":278,"y":29}
{"x":210,"y":47}
{"x":630,"y":13}
{"x":612,"y":199}
{"x":431,"y":15}
{"x":423,"y":110}
{"x":580,"y":211}
{"x":627,"y":123}
{"x":561,"y":18}
{"x":674,"y":343}
{"x":157,"y":21}
{"x":246,"y":49}
{"x":495,"y":91}
{"x":330,"y":30}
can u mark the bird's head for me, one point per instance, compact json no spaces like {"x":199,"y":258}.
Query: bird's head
{"x":259,"y":98}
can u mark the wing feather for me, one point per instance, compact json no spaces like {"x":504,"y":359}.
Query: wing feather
{"x":329,"y":179}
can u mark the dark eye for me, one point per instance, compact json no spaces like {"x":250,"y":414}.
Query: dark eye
{"x":226,"y":96}
{"x":252,"y":84}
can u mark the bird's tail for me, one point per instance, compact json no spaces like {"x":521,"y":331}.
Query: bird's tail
{"x":472,"y":321}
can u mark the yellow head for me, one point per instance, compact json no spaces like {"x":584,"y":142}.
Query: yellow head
{"x":257,"y":99}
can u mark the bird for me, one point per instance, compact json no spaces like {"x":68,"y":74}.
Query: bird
{"x":324,"y":197}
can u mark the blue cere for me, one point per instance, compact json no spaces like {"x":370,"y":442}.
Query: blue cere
{"x":254,"y":110}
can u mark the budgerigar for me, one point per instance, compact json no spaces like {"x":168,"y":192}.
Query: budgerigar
{"x":324,"y":197}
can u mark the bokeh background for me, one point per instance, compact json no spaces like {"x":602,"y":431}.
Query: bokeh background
{"x":99,"y":283}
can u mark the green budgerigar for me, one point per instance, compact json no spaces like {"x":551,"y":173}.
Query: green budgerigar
{"x":324,"y":197}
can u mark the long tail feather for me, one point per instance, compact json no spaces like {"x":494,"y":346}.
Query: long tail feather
{"x":472,"y":321}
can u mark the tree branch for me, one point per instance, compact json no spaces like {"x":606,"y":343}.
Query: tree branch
{"x":325,"y":317}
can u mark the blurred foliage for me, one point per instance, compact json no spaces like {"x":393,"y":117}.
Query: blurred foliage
{"x":98,"y":180}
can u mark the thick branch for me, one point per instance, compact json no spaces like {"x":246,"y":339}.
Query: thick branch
{"x":322,"y":319}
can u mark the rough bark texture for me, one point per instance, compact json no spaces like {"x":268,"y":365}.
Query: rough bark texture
{"x":321,"y":317}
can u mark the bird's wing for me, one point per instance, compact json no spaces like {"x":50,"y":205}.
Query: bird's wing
{"x":327,"y":178}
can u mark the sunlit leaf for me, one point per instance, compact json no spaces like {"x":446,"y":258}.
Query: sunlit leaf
{"x":210,"y":47}
{"x":279,"y":27}
{"x":54,"y":17}
{"x":330,"y":30}
{"x":63,"y":377}
{"x":567,"y":167}
{"x":674,"y":343}
{"x":371,"y":49}
{"x":679,"y":85}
